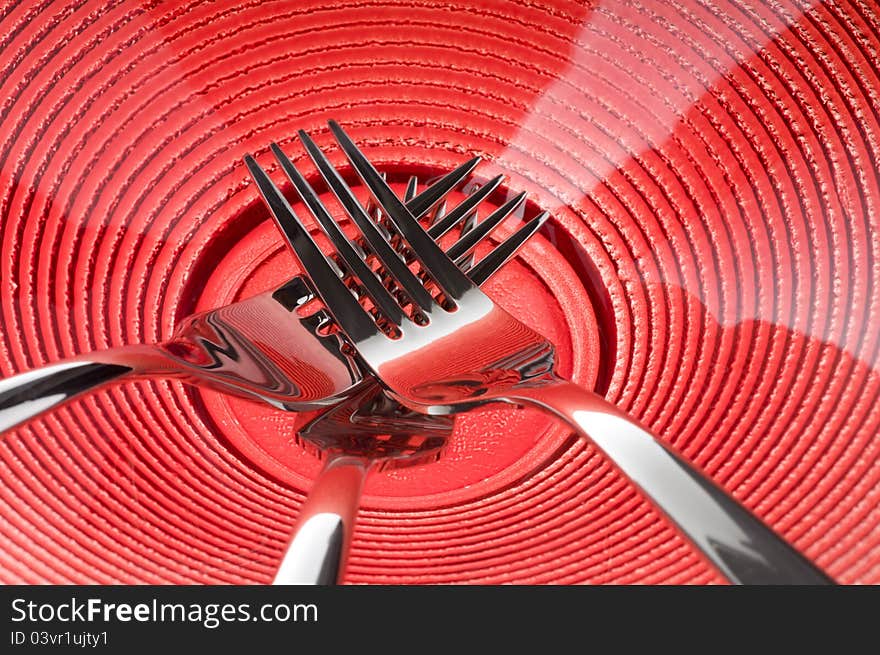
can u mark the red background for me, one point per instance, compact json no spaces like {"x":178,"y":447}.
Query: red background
{"x":715,"y":163}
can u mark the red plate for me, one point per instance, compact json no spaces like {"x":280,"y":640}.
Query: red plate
{"x":712,"y":266}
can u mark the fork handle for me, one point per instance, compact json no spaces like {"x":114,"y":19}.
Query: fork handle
{"x":318,"y":552}
{"x":29,"y":394}
{"x":733,"y":539}
{"x":26,"y":395}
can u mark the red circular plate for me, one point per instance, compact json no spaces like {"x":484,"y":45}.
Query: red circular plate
{"x":712,"y":267}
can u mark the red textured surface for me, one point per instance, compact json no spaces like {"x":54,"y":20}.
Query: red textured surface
{"x":716,"y":161}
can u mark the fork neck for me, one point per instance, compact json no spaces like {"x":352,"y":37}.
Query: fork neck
{"x":728,"y":535}
{"x":318,"y":551}
{"x":26,"y":395}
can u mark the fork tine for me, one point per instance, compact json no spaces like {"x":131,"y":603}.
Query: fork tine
{"x":422,"y":203}
{"x":380,"y":247}
{"x":464,"y":208}
{"x":439,"y":212}
{"x":487,"y":266}
{"x":446,"y":274}
{"x":371,"y":207}
{"x":344,"y":247}
{"x":469,"y":241}
{"x":411,"y":187}
{"x":467,"y":261}
{"x":463,"y":213}
{"x":353,"y":318}
{"x":468,"y":224}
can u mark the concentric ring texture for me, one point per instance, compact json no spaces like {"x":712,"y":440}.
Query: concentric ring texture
{"x":713,"y":162}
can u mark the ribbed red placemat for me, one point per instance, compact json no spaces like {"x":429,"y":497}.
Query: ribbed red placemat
{"x":711,"y":167}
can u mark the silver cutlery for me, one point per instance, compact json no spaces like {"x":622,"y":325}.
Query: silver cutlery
{"x":366,"y":432}
{"x":363,"y":433}
{"x":440,"y":346}
{"x":260,"y":347}
{"x":263,"y":348}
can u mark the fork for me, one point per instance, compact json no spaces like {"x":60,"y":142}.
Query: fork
{"x":441,"y":346}
{"x":365,"y":432}
{"x":260,"y":347}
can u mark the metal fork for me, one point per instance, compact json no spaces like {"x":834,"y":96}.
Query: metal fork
{"x":440,"y":346}
{"x":262,"y":348}
{"x":259,"y":347}
{"x":366,"y":432}
{"x":369,"y":431}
